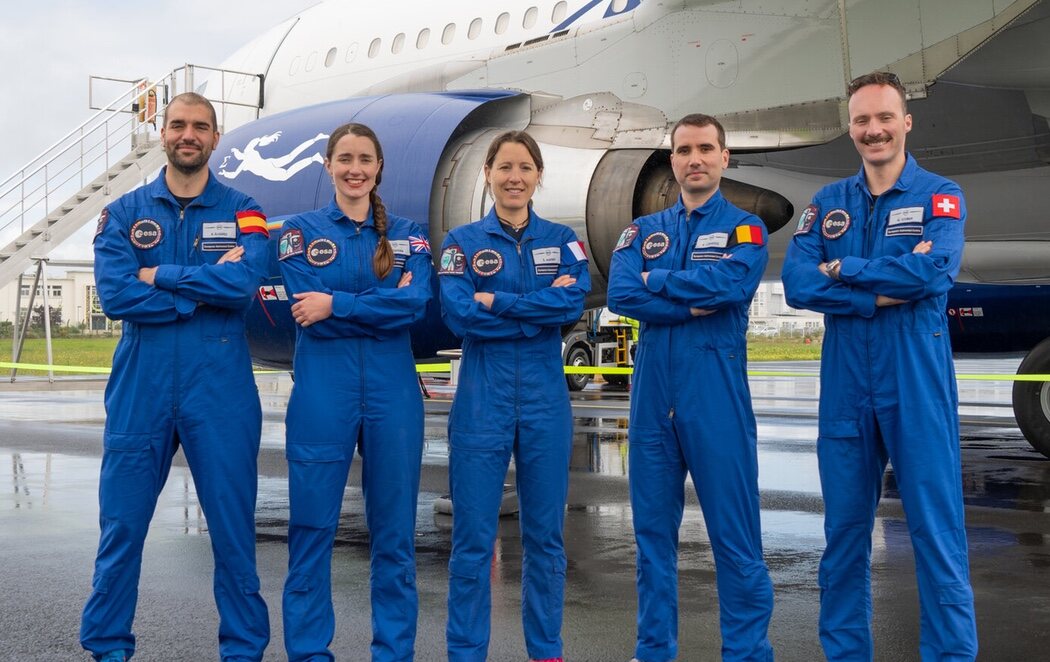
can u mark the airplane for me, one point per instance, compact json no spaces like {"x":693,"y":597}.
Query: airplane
{"x":599,"y":83}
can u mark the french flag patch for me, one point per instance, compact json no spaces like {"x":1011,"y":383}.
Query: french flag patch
{"x":577,"y":250}
{"x":947,"y":205}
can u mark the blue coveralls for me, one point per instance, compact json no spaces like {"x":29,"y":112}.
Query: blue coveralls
{"x":691,"y":411}
{"x":512,"y":399}
{"x":355,"y":388}
{"x":181,"y":376}
{"x":887,"y":392}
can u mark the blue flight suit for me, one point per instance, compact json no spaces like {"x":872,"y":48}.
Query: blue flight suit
{"x":691,"y":411}
{"x":355,"y":388}
{"x":512,"y":399}
{"x":887,"y":391}
{"x":181,"y":376}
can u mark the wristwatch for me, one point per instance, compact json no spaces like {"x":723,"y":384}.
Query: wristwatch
{"x":833,"y":268}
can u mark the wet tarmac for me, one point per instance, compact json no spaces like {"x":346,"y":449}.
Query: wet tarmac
{"x":50,"y":438}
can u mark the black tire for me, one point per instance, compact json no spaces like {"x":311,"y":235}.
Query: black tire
{"x":578,"y":355}
{"x":1032,"y":399}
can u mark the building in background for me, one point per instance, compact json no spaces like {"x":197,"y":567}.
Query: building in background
{"x":771,"y":316}
{"x":71,"y":291}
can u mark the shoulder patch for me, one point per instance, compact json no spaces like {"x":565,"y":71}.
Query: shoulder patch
{"x":291,"y":244}
{"x":627,"y":237}
{"x":746,"y":234}
{"x":805,"y":221}
{"x":453,"y":261}
{"x":419,"y":244}
{"x":577,"y":249}
{"x":252,"y":221}
{"x":102,"y":218}
{"x":947,"y":205}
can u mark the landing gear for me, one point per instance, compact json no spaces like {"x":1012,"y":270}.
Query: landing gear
{"x":1032,"y":399}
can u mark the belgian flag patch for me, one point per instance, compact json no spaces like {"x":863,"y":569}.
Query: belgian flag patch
{"x":746,"y":234}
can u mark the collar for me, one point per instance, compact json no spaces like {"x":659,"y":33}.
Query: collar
{"x":333,"y":213}
{"x":490,"y":224}
{"x":907,"y":176}
{"x":209,"y":197}
{"x":714,"y":203}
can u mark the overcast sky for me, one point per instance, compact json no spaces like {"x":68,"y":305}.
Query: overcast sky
{"x":48,"y":48}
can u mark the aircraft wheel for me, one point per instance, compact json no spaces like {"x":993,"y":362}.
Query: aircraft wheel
{"x":1032,"y":399}
{"x":578,"y":356}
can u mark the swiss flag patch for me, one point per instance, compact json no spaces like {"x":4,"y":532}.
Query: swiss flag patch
{"x":947,"y":205}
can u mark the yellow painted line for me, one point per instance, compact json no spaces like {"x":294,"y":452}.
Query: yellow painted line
{"x":569,"y":370}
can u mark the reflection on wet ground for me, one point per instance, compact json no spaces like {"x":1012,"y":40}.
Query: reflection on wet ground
{"x":50,"y":440}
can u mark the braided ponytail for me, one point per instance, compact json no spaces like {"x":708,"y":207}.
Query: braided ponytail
{"x":383,"y":258}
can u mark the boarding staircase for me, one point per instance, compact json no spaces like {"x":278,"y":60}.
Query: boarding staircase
{"x":117,"y":149}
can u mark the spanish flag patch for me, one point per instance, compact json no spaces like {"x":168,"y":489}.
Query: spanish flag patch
{"x":252,"y":221}
{"x":747,"y":234}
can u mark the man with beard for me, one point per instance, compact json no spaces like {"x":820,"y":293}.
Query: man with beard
{"x":877,"y":254}
{"x":178,"y":261}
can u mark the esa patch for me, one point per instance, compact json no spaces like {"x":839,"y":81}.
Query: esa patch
{"x":453,"y":261}
{"x":486,"y":262}
{"x":146,"y":233}
{"x":102,"y":218}
{"x":947,"y":205}
{"x":655,"y":245}
{"x":321,"y":252}
{"x":805,"y":221}
{"x":627,"y":237}
{"x":291,"y":244}
{"x":835,"y":224}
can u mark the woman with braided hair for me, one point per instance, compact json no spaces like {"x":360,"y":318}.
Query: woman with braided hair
{"x":359,"y":277}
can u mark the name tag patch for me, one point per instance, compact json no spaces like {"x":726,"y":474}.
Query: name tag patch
{"x":212,"y":245}
{"x":401,"y":250}
{"x":905,"y":221}
{"x":223,"y":230}
{"x":713,"y":240}
{"x":547,"y":260}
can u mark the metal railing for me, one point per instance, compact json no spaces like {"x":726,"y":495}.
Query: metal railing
{"x":128,"y":121}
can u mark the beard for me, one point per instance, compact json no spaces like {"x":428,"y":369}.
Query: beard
{"x":187,"y":165}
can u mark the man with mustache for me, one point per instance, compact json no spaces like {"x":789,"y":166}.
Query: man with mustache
{"x":877,"y":253}
{"x":688,"y":274}
{"x":178,"y":262}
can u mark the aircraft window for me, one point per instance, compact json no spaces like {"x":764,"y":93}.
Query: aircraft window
{"x":502,"y":21}
{"x":423,"y":39}
{"x":351,"y":52}
{"x":475,"y":29}
{"x":373,"y":48}
{"x":448,"y":34}
{"x":530,"y":18}
{"x":293,"y":68}
{"x":311,"y":61}
{"x":558,"y":15}
{"x":618,"y":6}
{"x":399,"y":43}
{"x":329,"y":59}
